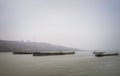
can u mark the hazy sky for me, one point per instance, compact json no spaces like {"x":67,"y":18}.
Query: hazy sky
{"x":84,"y":24}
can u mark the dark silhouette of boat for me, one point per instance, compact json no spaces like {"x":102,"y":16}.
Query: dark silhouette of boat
{"x":44,"y":53}
{"x":22,"y":52}
{"x":100,"y":54}
{"x":51,"y":53}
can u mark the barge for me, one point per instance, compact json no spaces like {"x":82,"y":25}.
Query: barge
{"x":100,"y":54}
{"x":44,"y":53}
{"x":51,"y":53}
{"x":22,"y":52}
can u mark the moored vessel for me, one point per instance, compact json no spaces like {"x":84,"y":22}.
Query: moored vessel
{"x":100,"y":54}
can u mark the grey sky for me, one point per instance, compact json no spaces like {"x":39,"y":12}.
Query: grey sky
{"x":84,"y":24}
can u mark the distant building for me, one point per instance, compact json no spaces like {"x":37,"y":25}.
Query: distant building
{"x":28,"y":40}
{"x":22,"y":40}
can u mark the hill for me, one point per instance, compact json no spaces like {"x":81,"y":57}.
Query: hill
{"x":13,"y":46}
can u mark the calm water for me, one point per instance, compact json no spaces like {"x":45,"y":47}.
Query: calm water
{"x":80,"y":64}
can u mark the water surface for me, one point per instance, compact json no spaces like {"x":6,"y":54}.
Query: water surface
{"x":80,"y":64}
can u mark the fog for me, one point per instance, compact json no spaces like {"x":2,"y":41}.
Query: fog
{"x":83,"y":24}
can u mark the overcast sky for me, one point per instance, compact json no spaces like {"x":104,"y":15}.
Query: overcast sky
{"x":83,"y":24}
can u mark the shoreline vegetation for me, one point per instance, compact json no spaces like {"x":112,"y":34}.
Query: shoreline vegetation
{"x":44,"y":53}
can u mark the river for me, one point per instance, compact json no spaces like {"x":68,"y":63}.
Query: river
{"x":80,"y":64}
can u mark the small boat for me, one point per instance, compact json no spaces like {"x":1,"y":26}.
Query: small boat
{"x":100,"y":54}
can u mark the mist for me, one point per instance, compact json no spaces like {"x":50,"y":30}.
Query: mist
{"x":83,"y":24}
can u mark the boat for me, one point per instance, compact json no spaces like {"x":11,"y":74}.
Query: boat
{"x":100,"y":54}
{"x":22,"y":52}
{"x":51,"y":53}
